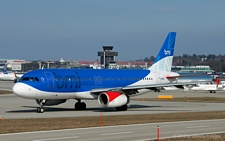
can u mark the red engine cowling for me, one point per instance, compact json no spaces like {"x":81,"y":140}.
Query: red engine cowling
{"x":52,"y":102}
{"x":112,"y":99}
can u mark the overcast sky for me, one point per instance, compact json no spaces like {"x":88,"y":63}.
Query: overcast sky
{"x":77,"y":29}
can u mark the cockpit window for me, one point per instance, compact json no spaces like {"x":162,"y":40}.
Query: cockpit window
{"x":30,"y":79}
{"x":25,"y":79}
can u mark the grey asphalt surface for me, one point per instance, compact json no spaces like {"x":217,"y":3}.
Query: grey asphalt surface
{"x":15,"y":107}
{"x":135,"y":132}
{"x":12,"y":107}
{"x":6,"y":85}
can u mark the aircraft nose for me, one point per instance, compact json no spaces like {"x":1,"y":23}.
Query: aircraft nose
{"x":18,"y":89}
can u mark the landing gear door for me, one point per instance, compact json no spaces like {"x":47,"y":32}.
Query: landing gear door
{"x":50,"y":79}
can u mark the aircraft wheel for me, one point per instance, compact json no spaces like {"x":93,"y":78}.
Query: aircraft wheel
{"x":83,"y":106}
{"x":76,"y":106}
{"x":80,"y":106}
{"x":122,"y":108}
{"x":40,"y":110}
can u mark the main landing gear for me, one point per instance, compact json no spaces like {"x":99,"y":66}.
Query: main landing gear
{"x":80,"y":105}
{"x":122,"y":108}
{"x":41,"y":103}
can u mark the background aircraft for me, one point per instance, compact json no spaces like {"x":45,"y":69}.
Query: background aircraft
{"x":212,"y":86}
{"x":175,"y":88}
{"x":112,"y":88}
{"x":4,"y":75}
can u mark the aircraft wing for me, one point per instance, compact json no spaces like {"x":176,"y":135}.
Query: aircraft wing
{"x":96,"y":90}
{"x":138,"y":87}
{"x":159,"y":85}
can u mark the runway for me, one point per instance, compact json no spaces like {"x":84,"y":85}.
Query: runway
{"x":135,"y":132}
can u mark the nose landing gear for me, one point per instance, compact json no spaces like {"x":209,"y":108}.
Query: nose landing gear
{"x":41,"y":103}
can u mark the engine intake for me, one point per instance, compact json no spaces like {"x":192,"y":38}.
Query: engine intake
{"x":112,"y":99}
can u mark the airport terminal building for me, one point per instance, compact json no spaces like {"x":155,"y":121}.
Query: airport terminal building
{"x":12,"y":64}
{"x":15,"y":65}
{"x":195,"y":69}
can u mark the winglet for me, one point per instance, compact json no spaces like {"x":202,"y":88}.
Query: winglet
{"x":163,"y":61}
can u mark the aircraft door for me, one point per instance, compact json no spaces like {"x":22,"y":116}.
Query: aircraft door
{"x":158,"y":79}
{"x":50,"y":79}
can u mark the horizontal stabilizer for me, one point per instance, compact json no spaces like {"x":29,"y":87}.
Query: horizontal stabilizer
{"x":183,"y":76}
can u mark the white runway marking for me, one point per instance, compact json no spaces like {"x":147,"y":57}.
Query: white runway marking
{"x":52,"y":139}
{"x":119,"y":133}
{"x":199,"y":126}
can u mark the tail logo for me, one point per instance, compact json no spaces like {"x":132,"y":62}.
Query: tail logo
{"x":167,"y":52}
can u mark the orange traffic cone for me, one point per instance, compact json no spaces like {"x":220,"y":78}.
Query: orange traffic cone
{"x":181,"y":112}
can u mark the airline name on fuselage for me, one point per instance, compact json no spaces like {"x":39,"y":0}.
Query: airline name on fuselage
{"x":68,"y":81}
{"x":73,"y":81}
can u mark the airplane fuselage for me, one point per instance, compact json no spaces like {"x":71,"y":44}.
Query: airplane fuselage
{"x":83,"y":83}
{"x":208,"y":87}
{"x":7,"y":77}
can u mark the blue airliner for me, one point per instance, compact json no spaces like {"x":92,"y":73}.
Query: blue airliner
{"x":112,"y":88}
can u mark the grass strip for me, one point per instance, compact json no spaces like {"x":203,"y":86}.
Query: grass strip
{"x":39,"y":124}
{"x":5,"y":92}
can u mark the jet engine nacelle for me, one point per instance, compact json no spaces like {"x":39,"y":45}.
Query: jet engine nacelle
{"x":113,"y":99}
{"x":51,"y":102}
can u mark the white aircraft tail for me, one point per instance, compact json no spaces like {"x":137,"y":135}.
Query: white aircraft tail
{"x":163,"y":61}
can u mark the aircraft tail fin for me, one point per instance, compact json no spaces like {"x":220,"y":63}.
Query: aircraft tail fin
{"x":217,"y":81}
{"x":4,"y":71}
{"x":163,"y":61}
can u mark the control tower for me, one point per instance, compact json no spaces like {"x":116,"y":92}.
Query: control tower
{"x":107,"y":56}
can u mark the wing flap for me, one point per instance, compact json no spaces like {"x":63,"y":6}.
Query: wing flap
{"x":99,"y":90}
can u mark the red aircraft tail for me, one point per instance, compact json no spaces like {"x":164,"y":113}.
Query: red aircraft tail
{"x":217,"y":81}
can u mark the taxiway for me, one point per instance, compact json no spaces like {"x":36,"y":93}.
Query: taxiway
{"x":13,"y":107}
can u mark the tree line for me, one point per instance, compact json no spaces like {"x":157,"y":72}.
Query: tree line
{"x":216,"y":62}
